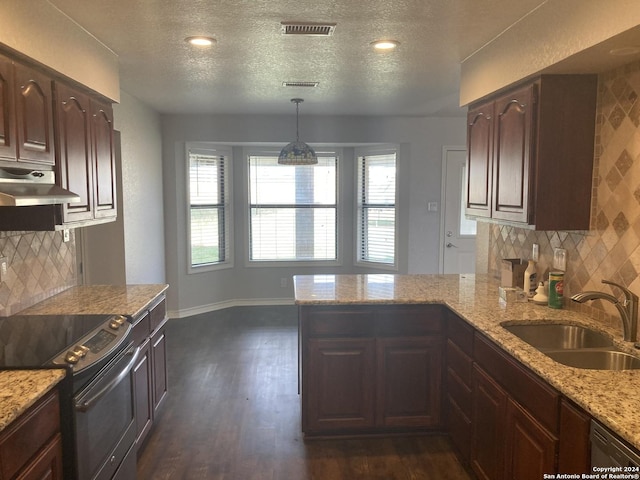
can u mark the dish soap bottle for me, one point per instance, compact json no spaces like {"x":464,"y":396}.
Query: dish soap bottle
{"x":530,"y":279}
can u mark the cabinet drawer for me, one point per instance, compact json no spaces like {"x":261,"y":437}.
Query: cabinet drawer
{"x":28,"y":434}
{"x":459,"y":392}
{"x":459,"y":425}
{"x":340,"y":323}
{"x":157,"y":314}
{"x":460,"y":333}
{"x":141,"y":330}
{"x":408,"y":321}
{"x":459,"y":362}
{"x":541,"y":400}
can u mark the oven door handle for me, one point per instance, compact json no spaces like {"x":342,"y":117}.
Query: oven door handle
{"x":84,"y":405}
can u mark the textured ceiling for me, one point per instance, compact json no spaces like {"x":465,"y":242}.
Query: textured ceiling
{"x":243,"y":73}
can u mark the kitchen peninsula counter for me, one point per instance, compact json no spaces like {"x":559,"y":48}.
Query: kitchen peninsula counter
{"x":99,"y":299}
{"x":609,"y":396}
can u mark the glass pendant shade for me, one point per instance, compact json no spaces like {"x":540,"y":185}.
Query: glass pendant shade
{"x":297,"y":153}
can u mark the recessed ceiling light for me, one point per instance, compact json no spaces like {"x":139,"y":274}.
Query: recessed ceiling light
{"x":385,"y":45}
{"x":200,"y":41}
{"x":623,"y":51}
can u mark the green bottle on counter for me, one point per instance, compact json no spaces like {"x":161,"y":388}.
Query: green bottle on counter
{"x":556,"y":289}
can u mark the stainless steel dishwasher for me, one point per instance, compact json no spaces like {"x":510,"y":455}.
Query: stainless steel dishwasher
{"x":607,"y":450}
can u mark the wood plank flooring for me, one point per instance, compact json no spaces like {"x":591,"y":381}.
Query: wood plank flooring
{"x":233,"y":412}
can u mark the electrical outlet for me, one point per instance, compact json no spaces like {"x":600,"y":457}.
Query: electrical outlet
{"x":560,"y":259}
{"x":535,"y":252}
{"x":3,"y":268}
{"x":65,"y":235}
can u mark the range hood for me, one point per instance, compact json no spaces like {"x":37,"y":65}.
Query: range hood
{"x":21,"y":187}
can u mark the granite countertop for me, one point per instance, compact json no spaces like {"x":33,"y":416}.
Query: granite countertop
{"x":99,"y":299}
{"x":609,"y":396}
{"x":20,"y":389}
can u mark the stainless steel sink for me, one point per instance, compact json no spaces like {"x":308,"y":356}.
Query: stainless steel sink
{"x":559,"y":337}
{"x":596,"y":359}
{"x":575,"y":346}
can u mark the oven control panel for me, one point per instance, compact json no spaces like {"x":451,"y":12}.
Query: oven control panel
{"x":96,"y":345}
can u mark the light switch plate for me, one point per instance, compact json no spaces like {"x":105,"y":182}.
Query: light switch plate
{"x":3,"y":268}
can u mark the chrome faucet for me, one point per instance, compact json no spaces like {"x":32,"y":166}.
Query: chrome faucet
{"x":628,"y":309}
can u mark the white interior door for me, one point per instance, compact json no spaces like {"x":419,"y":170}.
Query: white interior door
{"x":458,"y":246}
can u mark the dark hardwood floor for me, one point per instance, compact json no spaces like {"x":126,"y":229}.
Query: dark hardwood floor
{"x":233,"y":412}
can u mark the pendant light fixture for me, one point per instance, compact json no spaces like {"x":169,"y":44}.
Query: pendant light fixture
{"x":297,"y":153}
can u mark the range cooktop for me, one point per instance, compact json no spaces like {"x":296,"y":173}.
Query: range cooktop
{"x":34,"y":340}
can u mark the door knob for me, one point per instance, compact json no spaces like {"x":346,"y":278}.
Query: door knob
{"x":450,"y":245}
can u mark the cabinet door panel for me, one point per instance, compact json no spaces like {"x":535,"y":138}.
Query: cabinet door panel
{"x":34,"y":116}
{"x":512,"y":155}
{"x":339,"y":384}
{"x":103,"y":159}
{"x":7,"y":110}
{"x":142,"y":394}
{"x":159,"y":365}
{"x":409,"y":381}
{"x":479,"y":160}
{"x":74,"y":146}
{"x":488,"y":437}
{"x":574,"y":454}
{"x":47,"y":465}
{"x":531,"y":450}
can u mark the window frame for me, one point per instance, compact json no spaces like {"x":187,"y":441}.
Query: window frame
{"x":373,"y":151}
{"x":211,"y":149}
{"x":271,"y":152}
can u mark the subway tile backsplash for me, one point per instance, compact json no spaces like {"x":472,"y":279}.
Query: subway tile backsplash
{"x":611,"y":248}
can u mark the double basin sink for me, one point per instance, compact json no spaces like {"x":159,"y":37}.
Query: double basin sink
{"x":575,"y":346}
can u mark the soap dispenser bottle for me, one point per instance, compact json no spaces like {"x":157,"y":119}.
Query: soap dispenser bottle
{"x":530,"y":279}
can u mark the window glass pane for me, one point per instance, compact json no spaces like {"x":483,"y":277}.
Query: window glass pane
{"x":205,"y":245}
{"x":208,"y":229}
{"x":376,"y":208}
{"x":292,"y":210}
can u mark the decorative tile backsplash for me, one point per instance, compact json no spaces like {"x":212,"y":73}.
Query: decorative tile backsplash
{"x":40,"y":264}
{"x":611,"y":248}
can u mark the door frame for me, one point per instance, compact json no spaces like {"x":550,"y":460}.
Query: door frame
{"x":443,"y":191}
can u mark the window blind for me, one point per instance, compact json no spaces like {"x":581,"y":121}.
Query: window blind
{"x":377,"y":208}
{"x":208,"y":208}
{"x":293,"y":210}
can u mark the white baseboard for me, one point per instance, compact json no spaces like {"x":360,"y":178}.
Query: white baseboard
{"x":239,"y":302}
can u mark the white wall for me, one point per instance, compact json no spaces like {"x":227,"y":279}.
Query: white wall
{"x":142,"y":208}
{"x":421,"y":141}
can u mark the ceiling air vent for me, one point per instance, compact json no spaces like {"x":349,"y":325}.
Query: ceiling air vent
{"x":307,"y":28}
{"x":300,"y":84}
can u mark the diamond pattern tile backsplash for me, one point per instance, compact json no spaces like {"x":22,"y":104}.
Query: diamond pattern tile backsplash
{"x":40,"y":264}
{"x":611,"y":248}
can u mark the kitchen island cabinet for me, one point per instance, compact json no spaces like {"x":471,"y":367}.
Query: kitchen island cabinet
{"x":370,"y":369}
{"x":536,"y":409}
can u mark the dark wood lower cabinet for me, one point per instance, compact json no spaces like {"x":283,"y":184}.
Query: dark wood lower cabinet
{"x":488,"y":434}
{"x":409,"y":375}
{"x":530,"y":449}
{"x":574,"y":454}
{"x":31,"y":447}
{"x":340,"y":393}
{"x":149,"y":375}
{"x":371,"y":369}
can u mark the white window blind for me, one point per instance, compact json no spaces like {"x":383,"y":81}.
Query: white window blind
{"x":377,"y":208}
{"x":208,"y":205}
{"x":293,"y":209}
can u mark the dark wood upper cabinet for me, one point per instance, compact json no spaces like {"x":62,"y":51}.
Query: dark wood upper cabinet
{"x":74,"y":150}
{"x":480,"y":160}
{"x":86,"y":157}
{"x":7,"y":110}
{"x":103,"y":159}
{"x":523,"y":145}
{"x":34,"y":116}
